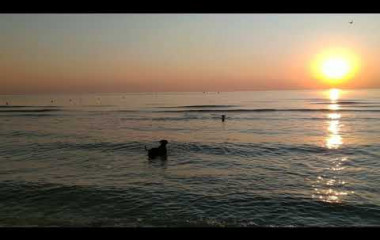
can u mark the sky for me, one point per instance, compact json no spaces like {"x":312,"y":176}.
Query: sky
{"x":88,"y":53}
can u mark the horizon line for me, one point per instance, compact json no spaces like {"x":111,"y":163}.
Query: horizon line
{"x":205,"y":91}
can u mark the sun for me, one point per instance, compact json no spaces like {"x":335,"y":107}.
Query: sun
{"x":335,"y":66}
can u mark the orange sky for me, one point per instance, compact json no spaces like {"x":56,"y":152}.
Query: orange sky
{"x":190,"y":52}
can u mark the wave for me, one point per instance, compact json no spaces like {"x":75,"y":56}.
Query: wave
{"x":29,"y":110}
{"x":270,"y":149}
{"x":184,"y":118}
{"x":98,"y":106}
{"x":48,"y":204}
{"x":190,"y":117}
{"x":346,"y":102}
{"x":93,"y":146}
{"x":26,"y":134}
{"x":367,"y":106}
{"x":25,"y":106}
{"x":274,"y":110}
{"x":232,"y":149}
{"x":29,"y":115}
{"x":128,"y":110}
{"x":322,"y":99}
{"x":203,"y":106}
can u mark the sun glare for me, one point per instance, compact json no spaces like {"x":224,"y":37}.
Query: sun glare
{"x":334,"y":66}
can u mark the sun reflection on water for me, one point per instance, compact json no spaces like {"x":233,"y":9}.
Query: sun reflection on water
{"x":334,"y":140}
{"x":333,"y":116}
{"x":333,"y":106}
{"x":329,"y":188}
{"x":334,"y":95}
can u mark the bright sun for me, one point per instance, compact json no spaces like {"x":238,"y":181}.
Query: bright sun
{"x":335,"y":66}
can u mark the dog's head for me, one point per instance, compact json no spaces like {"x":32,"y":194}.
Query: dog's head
{"x":163,"y":142}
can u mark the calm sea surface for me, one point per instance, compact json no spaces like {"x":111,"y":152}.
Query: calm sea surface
{"x":281,"y":158}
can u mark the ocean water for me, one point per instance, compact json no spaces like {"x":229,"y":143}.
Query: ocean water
{"x":281,"y":158}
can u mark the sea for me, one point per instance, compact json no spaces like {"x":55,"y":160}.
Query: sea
{"x":297,"y":158}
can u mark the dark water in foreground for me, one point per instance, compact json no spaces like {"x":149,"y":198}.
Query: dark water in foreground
{"x":281,"y":158}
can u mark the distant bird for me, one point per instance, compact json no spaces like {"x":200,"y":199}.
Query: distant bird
{"x":351,"y":22}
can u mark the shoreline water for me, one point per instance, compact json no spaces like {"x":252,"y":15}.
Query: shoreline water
{"x":311,"y":166}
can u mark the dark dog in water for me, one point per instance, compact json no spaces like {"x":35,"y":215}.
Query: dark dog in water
{"x":158,"y":152}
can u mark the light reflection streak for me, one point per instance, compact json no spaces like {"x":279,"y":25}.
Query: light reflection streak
{"x":334,"y":140}
{"x":328,"y":188}
{"x":334,"y":95}
{"x":333,"y":106}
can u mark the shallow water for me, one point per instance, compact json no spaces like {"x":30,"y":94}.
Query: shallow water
{"x":281,"y":158}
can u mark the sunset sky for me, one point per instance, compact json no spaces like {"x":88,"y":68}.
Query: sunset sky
{"x":83,"y":53}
